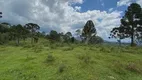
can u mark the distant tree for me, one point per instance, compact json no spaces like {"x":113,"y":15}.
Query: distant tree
{"x":4,"y":33}
{"x":4,"y":38}
{"x":69,"y":34}
{"x":25,"y":33}
{"x":96,"y":40}
{"x":17,"y":32}
{"x":54,"y":36}
{"x":79,"y":34}
{"x":67,"y":37}
{"x":33,"y":29}
{"x":89,"y":31}
{"x":61,"y":35}
{"x":72,"y":39}
{"x":3,"y":28}
{"x":43,"y":34}
{"x":131,"y":24}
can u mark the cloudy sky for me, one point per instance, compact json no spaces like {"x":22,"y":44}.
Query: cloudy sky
{"x":66,"y":15}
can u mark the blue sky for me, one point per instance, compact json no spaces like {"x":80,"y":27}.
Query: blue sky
{"x":102,"y":5}
{"x":97,"y":5}
{"x":66,"y":15}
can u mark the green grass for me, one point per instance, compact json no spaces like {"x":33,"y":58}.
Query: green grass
{"x":74,"y":62}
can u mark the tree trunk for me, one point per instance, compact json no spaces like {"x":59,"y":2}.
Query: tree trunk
{"x":132,"y":41}
{"x":17,"y":41}
{"x":132,"y":37}
{"x":87,"y":40}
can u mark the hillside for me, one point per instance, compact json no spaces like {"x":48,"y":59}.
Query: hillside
{"x":74,"y":62}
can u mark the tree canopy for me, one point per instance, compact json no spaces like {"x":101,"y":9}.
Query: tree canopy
{"x":131,"y":24}
{"x":89,"y":30}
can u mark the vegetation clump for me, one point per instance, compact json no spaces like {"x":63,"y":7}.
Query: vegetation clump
{"x":50,"y":58}
{"x":61,"y":68}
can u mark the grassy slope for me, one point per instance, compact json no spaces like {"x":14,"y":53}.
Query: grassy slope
{"x":80,"y":63}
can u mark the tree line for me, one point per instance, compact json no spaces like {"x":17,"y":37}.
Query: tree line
{"x":130,"y":27}
{"x":20,"y":32}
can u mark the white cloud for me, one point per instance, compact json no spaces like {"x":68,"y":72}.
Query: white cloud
{"x":58,"y":15}
{"x":128,"y":2}
{"x":140,"y":2}
{"x":111,"y":9}
{"x":77,"y":8}
{"x":124,"y":2}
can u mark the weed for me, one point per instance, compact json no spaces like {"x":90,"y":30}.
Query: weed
{"x":118,"y":68}
{"x":85,"y":58}
{"x":133,"y":67}
{"x":27,"y":46}
{"x":50,"y":58}
{"x":53,"y":46}
{"x":68,"y":48}
{"x":103,"y":49}
{"x":37,"y":48}
{"x":61,"y":68}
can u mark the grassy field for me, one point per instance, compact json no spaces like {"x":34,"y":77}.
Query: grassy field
{"x":74,"y":62}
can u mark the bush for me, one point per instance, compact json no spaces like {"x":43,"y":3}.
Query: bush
{"x":53,"y":46}
{"x":50,"y":58}
{"x":61,"y":68}
{"x":133,"y":67}
{"x":85,"y":58}
{"x":37,"y":48}
{"x":106,"y":50}
{"x":27,"y":46}
{"x":68,"y":48}
{"x":4,"y":38}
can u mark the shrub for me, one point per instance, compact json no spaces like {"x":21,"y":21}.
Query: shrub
{"x":61,"y":68}
{"x":4,"y":38}
{"x":133,"y":67}
{"x":103,"y":49}
{"x":27,"y":46}
{"x":37,"y":48}
{"x":85,"y":58}
{"x":50,"y":58}
{"x":68,"y":48}
{"x":53,"y":46}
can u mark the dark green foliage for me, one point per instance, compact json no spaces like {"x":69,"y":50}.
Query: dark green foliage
{"x":130,"y":24}
{"x":4,"y":38}
{"x":96,"y":40}
{"x":72,"y":39}
{"x":67,"y":37}
{"x":53,"y":46}
{"x":17,"y":32}
{"x":50,"y":58}
{"x":4,"y":28}
{"x":54,"y":36}
{"x":61,"y":68}
{"x":32,"y":27}
{"x":89,"y":30}
{"x":4,"y":34}
{"x":27,"y":45}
